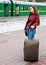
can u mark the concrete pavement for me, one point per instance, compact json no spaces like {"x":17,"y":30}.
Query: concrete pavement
{"x":11,"y":47}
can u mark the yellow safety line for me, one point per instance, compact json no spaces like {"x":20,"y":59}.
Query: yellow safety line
{"x":41,"y":10}
{"x":28,"y":11}
{"x":24,"y":10}
{"x":1,"y":10}
{"x":10,"y":11}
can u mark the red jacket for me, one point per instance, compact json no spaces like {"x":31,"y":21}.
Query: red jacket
{"x":33,"y":19}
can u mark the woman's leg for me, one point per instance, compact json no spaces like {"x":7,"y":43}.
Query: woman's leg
{"x":31,"y":33}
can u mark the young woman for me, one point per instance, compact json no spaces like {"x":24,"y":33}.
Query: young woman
{"x":32,"y":23}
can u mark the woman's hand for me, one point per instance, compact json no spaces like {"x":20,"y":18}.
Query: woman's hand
{"x":32,"y":27}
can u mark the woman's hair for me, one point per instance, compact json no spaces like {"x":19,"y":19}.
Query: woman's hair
{"x":35,"y":11}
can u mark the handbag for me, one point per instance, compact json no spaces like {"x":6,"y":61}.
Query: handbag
{"x":26,"y":33}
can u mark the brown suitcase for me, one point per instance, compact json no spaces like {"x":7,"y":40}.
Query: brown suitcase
{"x":31,"y":50}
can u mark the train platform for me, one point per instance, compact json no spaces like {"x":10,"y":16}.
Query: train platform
{"x":9,"y":24}
{"x":12,"y":43}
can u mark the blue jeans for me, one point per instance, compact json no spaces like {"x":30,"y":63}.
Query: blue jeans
{"x":30,"y":33}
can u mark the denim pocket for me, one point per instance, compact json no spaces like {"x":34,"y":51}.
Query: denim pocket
{"x":31,"y":33}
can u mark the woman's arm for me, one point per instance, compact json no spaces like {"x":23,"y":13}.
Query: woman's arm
{"x":37,"y":21}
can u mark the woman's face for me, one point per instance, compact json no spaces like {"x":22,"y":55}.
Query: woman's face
{"x":31,"y":9}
